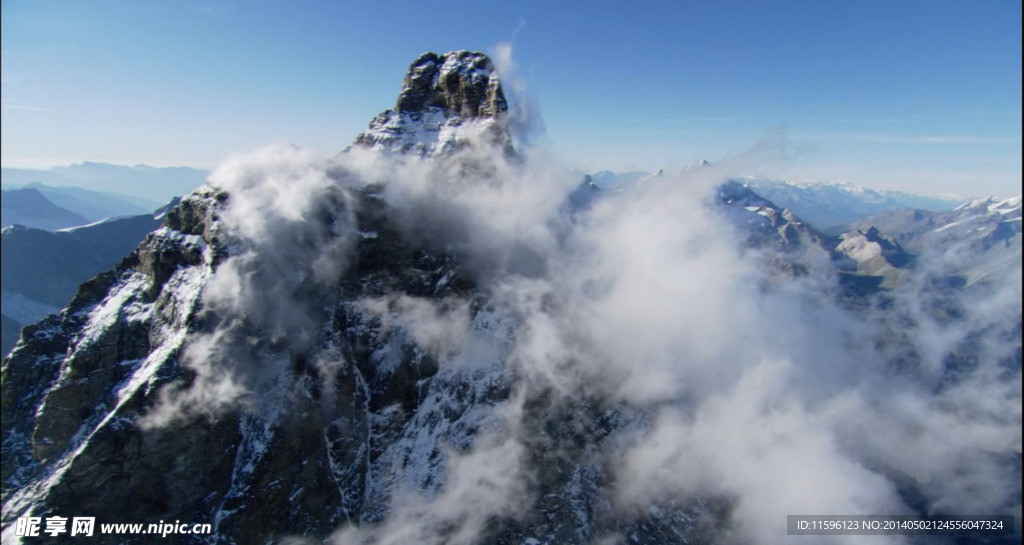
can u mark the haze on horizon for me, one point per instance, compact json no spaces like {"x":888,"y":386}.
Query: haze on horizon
{"x":917,"y":96}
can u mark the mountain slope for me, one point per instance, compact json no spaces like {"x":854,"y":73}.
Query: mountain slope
{"x":95,"y":205}
{"x":973,"y":241}
{"x":363,"y":443}
{"x":41,"y":270}
{"x":30,"y":208}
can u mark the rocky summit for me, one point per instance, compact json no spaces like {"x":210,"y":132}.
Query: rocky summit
{"x":442,"y":97}
{"x":460,"y":82}
{"x":429,"y":339}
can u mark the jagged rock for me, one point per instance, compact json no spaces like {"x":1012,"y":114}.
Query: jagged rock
{"x":583,"y":197}
{"x":446,"y":101}
{"x":767,"y":225}
{"x":462,"y":83}
{"x":74,"y":392}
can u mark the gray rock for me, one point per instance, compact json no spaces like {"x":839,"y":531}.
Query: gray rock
{"x":462,"y":83}
{"x":442,"y":96}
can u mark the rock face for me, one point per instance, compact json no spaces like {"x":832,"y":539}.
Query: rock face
{"x":315,"y":458}
{"x":972,"y":242}
{"x":336,"y":421}
{"x":461,"y":83}
{"x":42,"y":270}
{"x":445,"y":100}
{"x":876,"y":255}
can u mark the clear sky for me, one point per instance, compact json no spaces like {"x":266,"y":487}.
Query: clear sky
{"x":918,"y":95}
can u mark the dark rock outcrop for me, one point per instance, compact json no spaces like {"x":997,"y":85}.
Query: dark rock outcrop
{"x":446,"y":101}
{"x":461,"y":82}
{"x":347,"y":414}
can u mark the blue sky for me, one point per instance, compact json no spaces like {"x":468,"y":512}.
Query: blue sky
{"x":901,"y":94}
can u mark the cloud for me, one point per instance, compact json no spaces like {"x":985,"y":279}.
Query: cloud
{"x":480,"y":487}
{"x":289,"y":227}
{"x":759,"y":445}
{"x":440,"y":327}
{"x":714,"y":375}
{"x":768,"y":393}
{"x":524,"y":117}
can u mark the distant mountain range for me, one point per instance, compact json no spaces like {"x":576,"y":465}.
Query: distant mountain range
{"x":607,"y":179}
{"x":825,"y":205}
{"x":973,"y":241}
{"x":29,"y":207}
{"x":51,"y":208}
{"x":58,"y":236}
{"x":96,"y":205}
{"x":830,"y":204}
{"x":41,"y":270}
{"x":150,"y":183}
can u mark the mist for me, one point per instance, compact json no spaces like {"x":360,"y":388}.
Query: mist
{"x":766,"y":391}
{"x":288,"y":226}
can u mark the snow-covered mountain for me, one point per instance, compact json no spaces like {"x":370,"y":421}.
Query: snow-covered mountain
{"x":433,"y":338}
{"x":826,"y":205}
{"x":830,"y":204}
{"x":439,"y":94}
{"x":974,"y":241}
{"x":876,"y":258}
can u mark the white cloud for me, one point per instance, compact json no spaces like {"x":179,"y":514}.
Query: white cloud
{"x":766,"y":393}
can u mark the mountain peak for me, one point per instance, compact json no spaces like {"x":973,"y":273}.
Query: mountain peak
{"x":460,"y":82}
{"x":441,"y":95}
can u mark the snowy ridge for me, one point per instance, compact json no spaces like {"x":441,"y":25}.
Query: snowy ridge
{"x":90,"y":329}
{"x":79,"y":227}
{"x":1008,"y":206}
{"x":828,"y":204}
{"x":445,"y":101}
{"x":972,"y":242}
{"x":428,"y":133}
{"x":123,"y":305}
